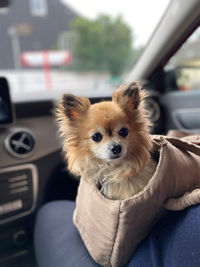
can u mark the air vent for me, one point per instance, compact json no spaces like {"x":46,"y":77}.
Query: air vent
{"x":20,"y":143}
{"x":153,"y":109}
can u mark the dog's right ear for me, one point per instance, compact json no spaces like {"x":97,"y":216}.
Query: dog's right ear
{"x":73,"y":107}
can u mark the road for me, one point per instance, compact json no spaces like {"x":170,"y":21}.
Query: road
{"x":36,"y":85}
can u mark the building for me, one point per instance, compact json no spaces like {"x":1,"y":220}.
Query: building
{"x":31,"y":25}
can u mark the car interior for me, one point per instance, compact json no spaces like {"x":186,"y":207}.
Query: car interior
{"x":33,"y":169}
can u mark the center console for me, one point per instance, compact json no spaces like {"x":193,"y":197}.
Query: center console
{"x":19,"y":187}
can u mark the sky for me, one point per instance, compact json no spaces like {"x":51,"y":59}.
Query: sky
{"x":141,"y":15}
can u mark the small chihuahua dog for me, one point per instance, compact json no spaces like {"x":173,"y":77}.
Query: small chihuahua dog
{"x":109,"y":143}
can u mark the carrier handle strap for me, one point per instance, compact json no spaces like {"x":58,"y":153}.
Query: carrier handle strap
{"x":189,"y":143}
{"x":188,"y":199}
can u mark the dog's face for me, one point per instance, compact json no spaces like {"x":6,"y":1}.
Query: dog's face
{"x":108,"y":131}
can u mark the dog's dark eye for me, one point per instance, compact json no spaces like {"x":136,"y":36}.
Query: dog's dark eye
{"x":97,"y":137}
{"x":123,"y":132}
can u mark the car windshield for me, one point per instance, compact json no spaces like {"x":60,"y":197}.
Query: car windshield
{"x":86,"y":47}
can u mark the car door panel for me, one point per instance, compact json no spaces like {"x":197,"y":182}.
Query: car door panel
{"x":187,"y":119}
{"x":182,"y":110}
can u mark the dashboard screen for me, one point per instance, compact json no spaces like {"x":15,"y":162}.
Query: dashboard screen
{"x":6,"y":114}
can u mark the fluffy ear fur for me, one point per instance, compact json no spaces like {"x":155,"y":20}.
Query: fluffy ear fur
{"x":73,"y":107}
{"x":129,"y":96}
{"x":70,"y":114}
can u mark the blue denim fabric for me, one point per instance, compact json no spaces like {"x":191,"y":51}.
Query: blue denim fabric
{"x":174,"y":241}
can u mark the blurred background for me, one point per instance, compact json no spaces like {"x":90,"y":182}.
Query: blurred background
{"x":49,"y":47}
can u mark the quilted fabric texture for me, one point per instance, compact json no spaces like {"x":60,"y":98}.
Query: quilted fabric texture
{"x":112,"y":229}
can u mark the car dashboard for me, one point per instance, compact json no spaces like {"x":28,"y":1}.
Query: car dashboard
{"x":32,"y":172}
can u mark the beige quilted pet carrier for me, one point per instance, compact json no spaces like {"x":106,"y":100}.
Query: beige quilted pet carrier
{"x":112,"y":229}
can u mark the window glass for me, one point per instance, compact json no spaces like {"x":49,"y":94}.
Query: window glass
{"x":4,"y":10}
{"x":183,"y":69}
{"x":81,"y":47}
{"x":38,"y":7}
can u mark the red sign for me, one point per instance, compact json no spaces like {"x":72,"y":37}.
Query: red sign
{"x":46,"y":59}
{"x":38,"y":58}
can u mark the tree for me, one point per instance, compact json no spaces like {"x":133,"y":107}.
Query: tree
{"x":103,"y":44}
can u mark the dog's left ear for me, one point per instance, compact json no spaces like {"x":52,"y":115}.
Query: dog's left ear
{"x":129,"y":96}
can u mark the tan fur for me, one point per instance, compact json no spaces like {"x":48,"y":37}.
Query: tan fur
{"x":78,"y":120}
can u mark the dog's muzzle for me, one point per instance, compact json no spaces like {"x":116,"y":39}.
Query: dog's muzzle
{"x":116,"y":151}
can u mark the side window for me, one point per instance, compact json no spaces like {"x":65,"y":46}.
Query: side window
{"x":38,"y":7}
{"x":183,"y":69}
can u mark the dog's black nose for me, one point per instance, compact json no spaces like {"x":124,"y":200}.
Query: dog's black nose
{"x":116,"y":149}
